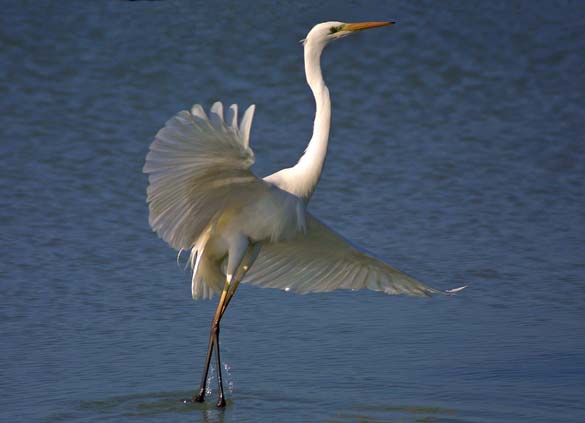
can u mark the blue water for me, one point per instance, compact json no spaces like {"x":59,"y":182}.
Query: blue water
{"x":457,"y":153}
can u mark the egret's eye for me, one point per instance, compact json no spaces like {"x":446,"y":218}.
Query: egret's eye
{"x":335,"y":29}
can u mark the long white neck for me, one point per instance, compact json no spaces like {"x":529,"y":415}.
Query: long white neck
{"x":310,"y":166}
{"x":301,"y":179}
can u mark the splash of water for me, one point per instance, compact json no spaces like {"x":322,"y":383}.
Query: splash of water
{"x":228,"y":377}
{"x":210,"y":380}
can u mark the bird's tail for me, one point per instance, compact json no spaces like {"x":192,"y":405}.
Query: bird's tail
{"x":207,"y":277}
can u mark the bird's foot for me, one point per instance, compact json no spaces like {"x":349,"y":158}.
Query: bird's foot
{"x":200,"y":397}
{"x":220,"y":402}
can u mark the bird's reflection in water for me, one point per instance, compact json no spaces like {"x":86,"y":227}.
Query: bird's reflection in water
{"x":213,"y":415}
{"x":153,"y":404}
{"x":392,"y":414}
{"x":164,"y":404}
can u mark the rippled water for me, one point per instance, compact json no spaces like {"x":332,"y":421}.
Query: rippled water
{"x":457,"y":153}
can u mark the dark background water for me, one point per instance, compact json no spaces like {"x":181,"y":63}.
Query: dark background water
{"x":457,"y":153}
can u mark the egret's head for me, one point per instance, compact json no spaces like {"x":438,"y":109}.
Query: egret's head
{"x":325,"y":32}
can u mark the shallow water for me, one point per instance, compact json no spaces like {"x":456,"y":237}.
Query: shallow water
{"x":457,"y":153}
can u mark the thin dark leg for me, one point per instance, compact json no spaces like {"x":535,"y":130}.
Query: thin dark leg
{"x":213,"y":339}
{"x":200,"y":397}
{"x":221,"y":400}
{"x":226,"y":296}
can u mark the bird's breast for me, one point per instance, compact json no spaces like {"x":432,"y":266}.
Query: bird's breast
{"x":274,"y":216}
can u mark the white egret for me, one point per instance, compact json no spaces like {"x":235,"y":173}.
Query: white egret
{"x":204,"y":197}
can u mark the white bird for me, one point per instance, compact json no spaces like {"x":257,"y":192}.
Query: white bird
{"x":203,"y":196}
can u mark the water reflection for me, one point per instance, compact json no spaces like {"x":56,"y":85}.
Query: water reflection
{"x":390,"y":414}
{"x":151,"y":404}
{"x":165,"y":403}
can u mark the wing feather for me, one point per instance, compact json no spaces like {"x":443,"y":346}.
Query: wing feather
{"x":321,"y":260}
{"x":199,"y":165}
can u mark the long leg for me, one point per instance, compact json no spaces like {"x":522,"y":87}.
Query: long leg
{"x":221,"y":399}
{"x":247,"y":261}
{"x":239,"y":273}
{"x":213,"y":335}
{"x":239,"y":261}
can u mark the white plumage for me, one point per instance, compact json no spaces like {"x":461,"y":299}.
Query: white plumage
{"x":202,"y":192}
{"x":204,"y":197}
{"x":196,"y":165}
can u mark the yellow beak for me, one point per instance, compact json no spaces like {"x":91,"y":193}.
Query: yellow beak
{"x":360,"y":26}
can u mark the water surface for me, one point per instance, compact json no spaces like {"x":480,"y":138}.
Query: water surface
{"x":457,"y":153}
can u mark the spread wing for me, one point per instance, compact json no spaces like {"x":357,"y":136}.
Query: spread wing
{"x":197,"y":167}
{"x":322,"y":260}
